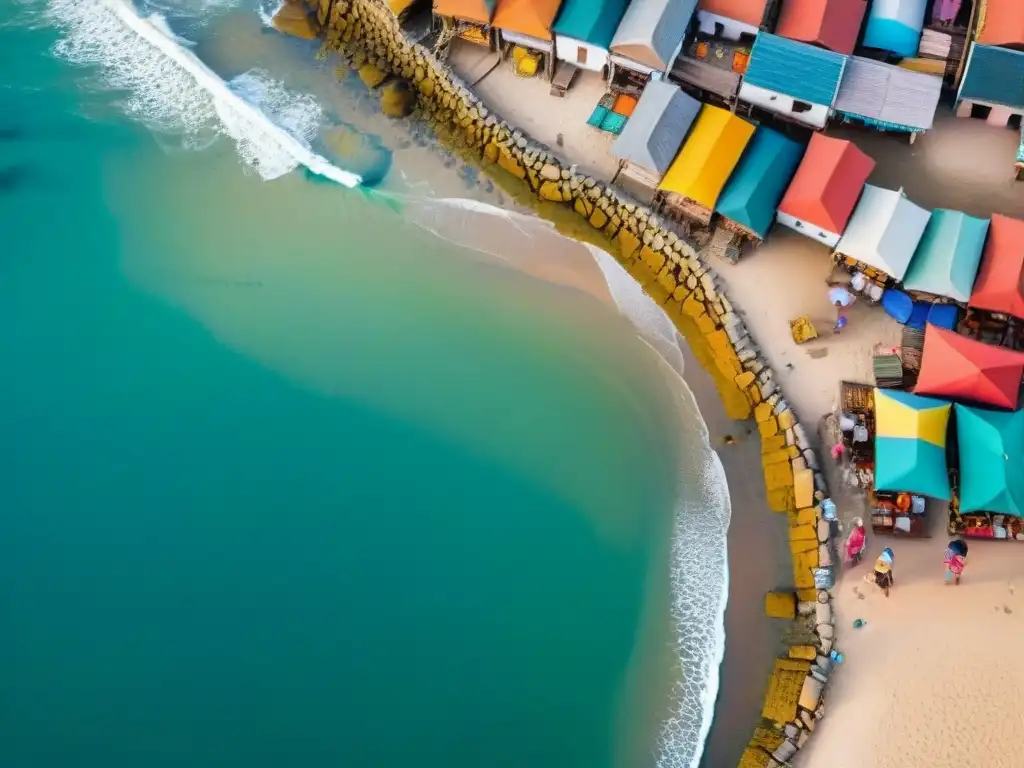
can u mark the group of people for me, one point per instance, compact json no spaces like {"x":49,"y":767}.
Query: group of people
{"x":955,"y":558}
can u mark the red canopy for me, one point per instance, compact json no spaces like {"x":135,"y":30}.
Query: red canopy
{"x":1000,"y":283}
{"x":956,"y":367}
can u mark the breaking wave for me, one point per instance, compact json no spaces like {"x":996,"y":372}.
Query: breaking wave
{"x":171,"y":91}
{"x":700,"y":569}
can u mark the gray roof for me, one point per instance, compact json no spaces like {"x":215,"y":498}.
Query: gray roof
{"x":884,"y":230}
{"x":888,"y":94}
{"x":656,"y":130}
{"x":651,"y":31}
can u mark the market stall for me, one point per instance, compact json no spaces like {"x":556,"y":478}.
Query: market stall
{"x":960,"y":368}
{"x":989,"y":498}
{"x":910,"y":461}
{"x":995,"y":311}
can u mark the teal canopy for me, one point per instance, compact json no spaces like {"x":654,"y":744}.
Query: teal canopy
{"x":913,"y":466}
{"x":991,"y":460}
{"x":948,"y":255}
{"x":757,"y":184}
{"x":590,"y":21}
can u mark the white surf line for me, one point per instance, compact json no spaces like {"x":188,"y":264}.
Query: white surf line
{"x":216,"y":87}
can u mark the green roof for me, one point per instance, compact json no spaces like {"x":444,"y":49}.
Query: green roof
{"x":591,"y":21}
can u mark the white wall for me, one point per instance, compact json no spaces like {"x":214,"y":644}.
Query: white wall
{"x":567,"y":48}
{"x":781,"y":104}
{"x":732,"y":29}
{"x":831,"y":239}
{"x":533,"y":43}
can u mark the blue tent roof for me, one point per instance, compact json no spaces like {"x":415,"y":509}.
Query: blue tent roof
{"x":753,"y":192}
{"x":796,"y":69}
{"x":592,"y":21}
{"x":994,"y":75}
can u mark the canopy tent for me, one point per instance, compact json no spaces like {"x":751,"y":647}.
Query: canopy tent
{"x":750,"y":12}
{"x":656,"y":130}
{"x":479,"y":11}
{"x":532,"y":18}
{"x":947,"y":258}
{"x":884,"y":230}
{"x":957,"y":367}
{"x":753,"y":192}
{"x":991,"y":460}
{"x":1002,"y":23}
{"x":708,"y":157}
{"x":652,"y":31}
{"x":910,"y":444}
{"x":1000,"y":284}
{"x":832,"y":24}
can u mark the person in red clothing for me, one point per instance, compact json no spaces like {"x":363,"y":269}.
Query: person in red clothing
{"x":856,"y":542}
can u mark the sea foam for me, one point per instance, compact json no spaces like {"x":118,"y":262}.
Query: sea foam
{"x":169,"y":89}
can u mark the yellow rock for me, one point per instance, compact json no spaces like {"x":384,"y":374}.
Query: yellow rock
{"x":806,"y":652}
{"x":534,"y":181}
{"x":767,"y":739}
{"x":745,"y":379}
{"x":295,"y":19}
{"x":792,"y":451}
{"x":729,"y":366}
{"x":780,"y":605}
{"x":707,"y":327}
{"x":598,"y":219}
{"x":803,"y":533}
{"x":803,"y":547}
{"x":680,"y":294}
{"x":508,"y":162}
{"x":398,"y":99}
{"x":491,"y":152}
{"x":806,"y":595}
{"x":803,"y":488}
{"x":426,"y":86}
{"x":768,"y":427}
{"x":784,"y":691}
{"x":754,"y":394}
{"x":549,"y":191}
{"x":582,"y":207}
{"x":653,"y":259}
{"x":371,"y":76}
{"x":806,"y":516}
{"x":773,"y":443}
{"x":778,"y":475}
{"x":667,"y":281}
{"x":780,"y":499}
{"x":778,"y":456}
{"x":628,"y":244}
{"x":763,"y":412}
{"x":720,"y":344}
{"x":753,"y":757}
{"x":693,"y":308}
{"x":786,"y":420}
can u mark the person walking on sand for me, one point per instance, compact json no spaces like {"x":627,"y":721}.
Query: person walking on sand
{"x":882,"y":575}
{"x":955,"y":560}
{"x":841,"y":299}
{"x":856,"y":542}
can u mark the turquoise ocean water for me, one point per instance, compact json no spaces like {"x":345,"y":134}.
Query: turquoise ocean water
{"x":287,"y":480}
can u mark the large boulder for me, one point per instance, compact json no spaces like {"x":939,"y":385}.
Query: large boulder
{"x":398,"y":98}
{"x":295,"y":18}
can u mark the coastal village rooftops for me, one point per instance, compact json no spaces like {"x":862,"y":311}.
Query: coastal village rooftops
{"x":910,"y":443}
{"x":752,"y":194}
{"x":960,"y":368}
{"x":651,"y":30}
{"x":656,"y":130}
{"x":1001,"y":23}
{"x":590,"y":21}
{"x":479,"y":11}
{"x":748,"y":11}
{"x":884,"y":230}
{"x":795,"y":69}
{"x":991,"y":456}
{"x":895,"y":25}
{"x":993,"y":76}
{"x":828,"y":183}
{"x":833,"y":24}
{"x":1000,"y":283}
{"x":886,"y":94}
{"x":527,"y":17}
{"x":709,"y":156}
{"x":947,"y":258}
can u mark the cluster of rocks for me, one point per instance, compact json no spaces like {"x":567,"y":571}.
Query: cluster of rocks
{"x":674,"y":275}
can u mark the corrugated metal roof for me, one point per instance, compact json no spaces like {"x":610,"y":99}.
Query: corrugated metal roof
{"x":752,"y":194}
{"x":592,"y":21}
{"x":884,"y":230}
{"x":895,"y":25}
{"x":656,"y":130}
{"x":795,"y":69}
{"x":947,"y":258}
{"x":994,"y":75}
{"x":834,"y":24}
{"x":708,"y":77}
{"x":472,"y":10}
{"x":527,"y":17}
{"x":828,"y":183}
{"x":1002,"y":23}
{"x":748,"y":11}
{"x":651,"y":31}
{"x":889,"y":94}
{"x":711,"y":152}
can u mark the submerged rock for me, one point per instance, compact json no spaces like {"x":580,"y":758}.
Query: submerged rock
{"x":371,"y":76}
{"x":360,"y":153}
{"x":398,"y":99}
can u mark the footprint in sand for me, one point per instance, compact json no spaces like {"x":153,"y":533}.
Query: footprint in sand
{"x":816,"y":354}
{"x":858,"y":593}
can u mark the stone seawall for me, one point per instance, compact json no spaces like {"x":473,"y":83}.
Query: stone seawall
{"x":671,"y":272}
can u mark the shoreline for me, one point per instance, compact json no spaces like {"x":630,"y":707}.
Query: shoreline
{"x":670,"y":272}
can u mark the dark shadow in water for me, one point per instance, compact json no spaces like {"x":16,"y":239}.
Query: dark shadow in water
{"x":10,"y":133}
{"x":13,"y":177}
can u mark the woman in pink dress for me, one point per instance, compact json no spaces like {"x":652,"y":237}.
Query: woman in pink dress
{"x":856,"y":542}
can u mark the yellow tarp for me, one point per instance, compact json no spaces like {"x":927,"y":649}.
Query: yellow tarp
{"x":901,"y":414}
{"x":708,"y":157}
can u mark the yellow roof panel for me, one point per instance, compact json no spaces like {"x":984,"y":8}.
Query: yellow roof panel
{"x":708,"y":157}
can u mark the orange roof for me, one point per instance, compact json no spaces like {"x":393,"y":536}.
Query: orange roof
{"x":527,"y":17}
{"x":748,"y":11}
{"x":828,"y":183}
{"x":472,"y":10}
{"x":1003,"y":23}
{"x":833,"y":24}
{"x":1000,"y":283}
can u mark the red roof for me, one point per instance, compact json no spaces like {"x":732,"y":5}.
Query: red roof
{"x":748,"y":11}
{"x":1002,"y":23}
{"x":1000,"y":283}
{"x":828,"y":183}
{"x":959,"y":368}
{"x":833,"y":24}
